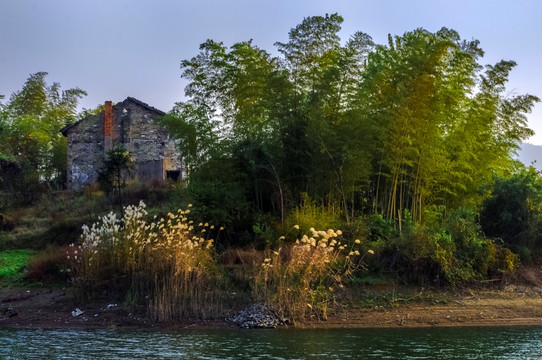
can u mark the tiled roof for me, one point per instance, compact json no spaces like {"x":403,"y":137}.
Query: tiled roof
{"x":65,"y":129}
{"x":139,"y":102}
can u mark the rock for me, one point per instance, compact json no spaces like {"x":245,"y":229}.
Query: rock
{"x":10,"y":312}
{"x":262,"y":316}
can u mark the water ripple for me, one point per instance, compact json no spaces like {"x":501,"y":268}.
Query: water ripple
{"x":431,"y":343}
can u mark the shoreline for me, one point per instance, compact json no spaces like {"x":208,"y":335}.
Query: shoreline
{"x":511,"y":306}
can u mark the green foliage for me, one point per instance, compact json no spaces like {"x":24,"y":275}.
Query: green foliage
{"x":310,"y":214}
{"x":467,"y":253}
{"x":407,"y":125}
{"x":191,"y":124}
{"x":30,"y":137}
{"x":265,"y":235}
{"x":513,"y":213}
{"x":440,"y":137}
{"x":283,"y":121}
{"x":12,"y":262}
{"x":117,"y":168}
{"x":219,"y":198}
{"x":380,"y":229}
{"x":451,"y":249}
{"x":377,"y":136}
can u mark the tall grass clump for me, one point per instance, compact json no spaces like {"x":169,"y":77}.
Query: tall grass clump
{"x":167,"y":264}
{"x":301,"y":278}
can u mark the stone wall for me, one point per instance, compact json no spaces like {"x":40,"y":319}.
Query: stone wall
{"x":85,"y":151}
{"x":134,"y":127}
{"x":153,"y":149}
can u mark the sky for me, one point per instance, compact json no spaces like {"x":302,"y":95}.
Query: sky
{"x":113,"y":49}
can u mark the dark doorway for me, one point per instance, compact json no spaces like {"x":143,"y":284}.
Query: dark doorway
{"x":173,"y":174}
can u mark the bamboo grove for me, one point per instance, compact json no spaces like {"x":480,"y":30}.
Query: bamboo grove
{"x":392,"y":129}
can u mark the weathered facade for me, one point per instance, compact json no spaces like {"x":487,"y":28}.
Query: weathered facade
{"x":130,"y":124}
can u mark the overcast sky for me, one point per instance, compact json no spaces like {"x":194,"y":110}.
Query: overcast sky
{"x":118,"y":48}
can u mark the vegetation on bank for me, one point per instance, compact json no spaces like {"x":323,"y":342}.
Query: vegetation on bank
{"x":12,"y":262}
{"x":166,"y":264}
{"x":405,"y":147}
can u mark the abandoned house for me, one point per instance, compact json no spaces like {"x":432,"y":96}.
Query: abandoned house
{"x":130,"y":124}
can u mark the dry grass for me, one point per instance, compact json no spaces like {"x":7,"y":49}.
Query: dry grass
{"x":301,"y":279}
{"x":529,"y":275}
{"x":49,"y":265}
{"x":168,"y":264}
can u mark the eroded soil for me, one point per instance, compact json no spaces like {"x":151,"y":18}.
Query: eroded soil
{"x":509,"y":305}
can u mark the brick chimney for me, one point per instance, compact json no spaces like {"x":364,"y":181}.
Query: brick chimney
{"x":108,"y":126}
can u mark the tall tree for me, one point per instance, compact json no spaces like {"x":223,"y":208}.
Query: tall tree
{"x":441,"y":125}
{"x":321,"y":137}
{"x":31,"y":123}
{"x":407,"y":125}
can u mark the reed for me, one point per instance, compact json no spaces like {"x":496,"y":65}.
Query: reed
{"x":302,"y":278}
{"x":167,"y":264}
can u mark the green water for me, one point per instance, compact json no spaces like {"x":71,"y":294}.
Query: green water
{"x":432,"y":343}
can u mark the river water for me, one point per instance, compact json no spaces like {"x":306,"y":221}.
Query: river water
{"x":505,"y":343}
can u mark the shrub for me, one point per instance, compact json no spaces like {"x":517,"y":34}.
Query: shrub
{"x":6,"y":223}
{"x":163,"y":264}
{"x":310,"y":214}
{"x":241,"y":265}
{"x":380,"y":229}
{"x":301,"y":278}
{"x":222,"y":203}
{"x":513,"y":213}
{"x":117,"y":167}
{"x":264,"y":231}
{"x":49,"y":265}
{"x":452,"y":249}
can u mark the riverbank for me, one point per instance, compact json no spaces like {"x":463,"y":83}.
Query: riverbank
{"x":513,"y":305}
{"x":507,"y":306}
